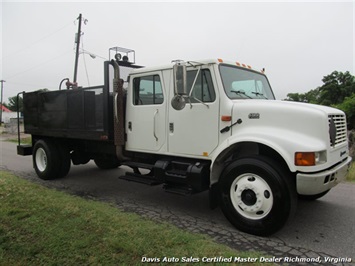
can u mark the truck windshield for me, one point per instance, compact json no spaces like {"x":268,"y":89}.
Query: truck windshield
{"x":245,"y":84}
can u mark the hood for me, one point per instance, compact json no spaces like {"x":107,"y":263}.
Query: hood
{"x":281,"y":111}
{"x":284,"y":118}
{"x":288,"y":106}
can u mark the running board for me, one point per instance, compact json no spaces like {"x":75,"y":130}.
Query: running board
{"x":134,"y":165}
{"x":143,"y":179}
{"x":180,"y":190}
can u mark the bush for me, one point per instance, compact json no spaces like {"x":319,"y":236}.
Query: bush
{"x":348,"y":106}
{"x":352,"y":143}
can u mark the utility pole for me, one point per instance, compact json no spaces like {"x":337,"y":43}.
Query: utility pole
{"x":2,"y":84}
{"x":77,"y":40}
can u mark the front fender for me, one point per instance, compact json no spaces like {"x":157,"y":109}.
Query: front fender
{"x":282,"y":141}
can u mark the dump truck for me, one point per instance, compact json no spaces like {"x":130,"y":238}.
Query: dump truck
{"x":194,"y":126}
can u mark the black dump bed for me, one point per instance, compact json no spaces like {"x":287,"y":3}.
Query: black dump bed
{"x":82,"y":113}
{"x":78,"y":113}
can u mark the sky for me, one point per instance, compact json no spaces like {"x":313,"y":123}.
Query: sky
{"x":298,"y":43}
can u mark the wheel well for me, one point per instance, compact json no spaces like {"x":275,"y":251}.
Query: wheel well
{"x":240,"y":150}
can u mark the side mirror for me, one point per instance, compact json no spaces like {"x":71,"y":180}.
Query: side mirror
{"x":178,"y":102}
{"x":180,"y":79}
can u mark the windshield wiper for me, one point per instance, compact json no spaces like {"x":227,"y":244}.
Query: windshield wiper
{"x":259,"y":94}
{"x":242,"y":93}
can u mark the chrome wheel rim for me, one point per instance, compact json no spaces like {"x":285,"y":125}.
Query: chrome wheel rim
{"x":41,"y":159}
{"x":251,"y":196}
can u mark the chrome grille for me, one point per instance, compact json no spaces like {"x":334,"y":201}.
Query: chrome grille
{"x":339,"y":122}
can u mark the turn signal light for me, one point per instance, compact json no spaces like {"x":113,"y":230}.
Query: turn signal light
{"x":226,"y":118}
{"x":305,"y":158}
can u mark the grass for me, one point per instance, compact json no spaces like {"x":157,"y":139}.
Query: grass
{"x":41,"y":226}
{"x":24,"y":140}
{"x":351,"y":175}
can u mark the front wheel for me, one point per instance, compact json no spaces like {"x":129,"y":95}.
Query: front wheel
{"x":257,"y":195}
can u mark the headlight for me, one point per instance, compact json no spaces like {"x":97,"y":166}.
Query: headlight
{"x":321,"y":157}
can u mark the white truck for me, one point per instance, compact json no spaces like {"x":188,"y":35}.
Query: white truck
{"x":195,"y":126}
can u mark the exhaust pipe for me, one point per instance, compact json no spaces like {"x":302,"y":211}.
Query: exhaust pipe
{"x":119,"y":128}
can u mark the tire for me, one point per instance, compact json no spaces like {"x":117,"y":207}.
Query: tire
{"x":107,"y":163}
{"x":46,"y":160}
{"x":257,"y":195}
{"x":64,"y":158}
{"x":312,"y":197}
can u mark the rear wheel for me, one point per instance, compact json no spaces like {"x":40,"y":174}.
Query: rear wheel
{"x":46,"y":160}
{"x":64,"y":157}
{"x":257,"y":195}
{"x":50,"y":161}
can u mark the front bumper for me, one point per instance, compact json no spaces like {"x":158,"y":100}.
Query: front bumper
{"x":312,"y":184}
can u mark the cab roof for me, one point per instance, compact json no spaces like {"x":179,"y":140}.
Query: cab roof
{"x":192,"y":63}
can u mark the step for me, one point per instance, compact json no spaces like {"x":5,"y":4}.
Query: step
{"x":180,"y":165}
{"x":177,"y":169}
{"x":143,"y":179}
{"x":139,"y":165}
{"x":180,"y":190}
{"x":176,"y":173}
{"x":24,"y":150}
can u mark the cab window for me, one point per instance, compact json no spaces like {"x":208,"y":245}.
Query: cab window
{"x":203,"y":89}
{"x":147,"y":90}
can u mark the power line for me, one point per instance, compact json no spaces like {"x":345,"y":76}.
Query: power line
{"x":35,"y":42}
{"x":29,"y":84}
{"x":93,"y":55}
{"x":39,"y":65}
{"x":86,"y":70}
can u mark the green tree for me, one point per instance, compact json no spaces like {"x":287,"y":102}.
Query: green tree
{"x":295,"y":97}
{"x":308,"y":97}
{"x":348,"y":106}
{"x":337,"y":86}
{"x":14,"y":104}
{"x":312,"y":96}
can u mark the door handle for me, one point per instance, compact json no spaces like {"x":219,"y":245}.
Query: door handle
{"x":154,"y":125}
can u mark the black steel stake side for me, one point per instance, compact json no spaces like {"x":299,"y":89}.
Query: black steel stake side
{"x":18,"y":118}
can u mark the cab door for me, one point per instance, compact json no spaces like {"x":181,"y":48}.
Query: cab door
{"x":146,"y":113}
{"x":193,"y":131}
